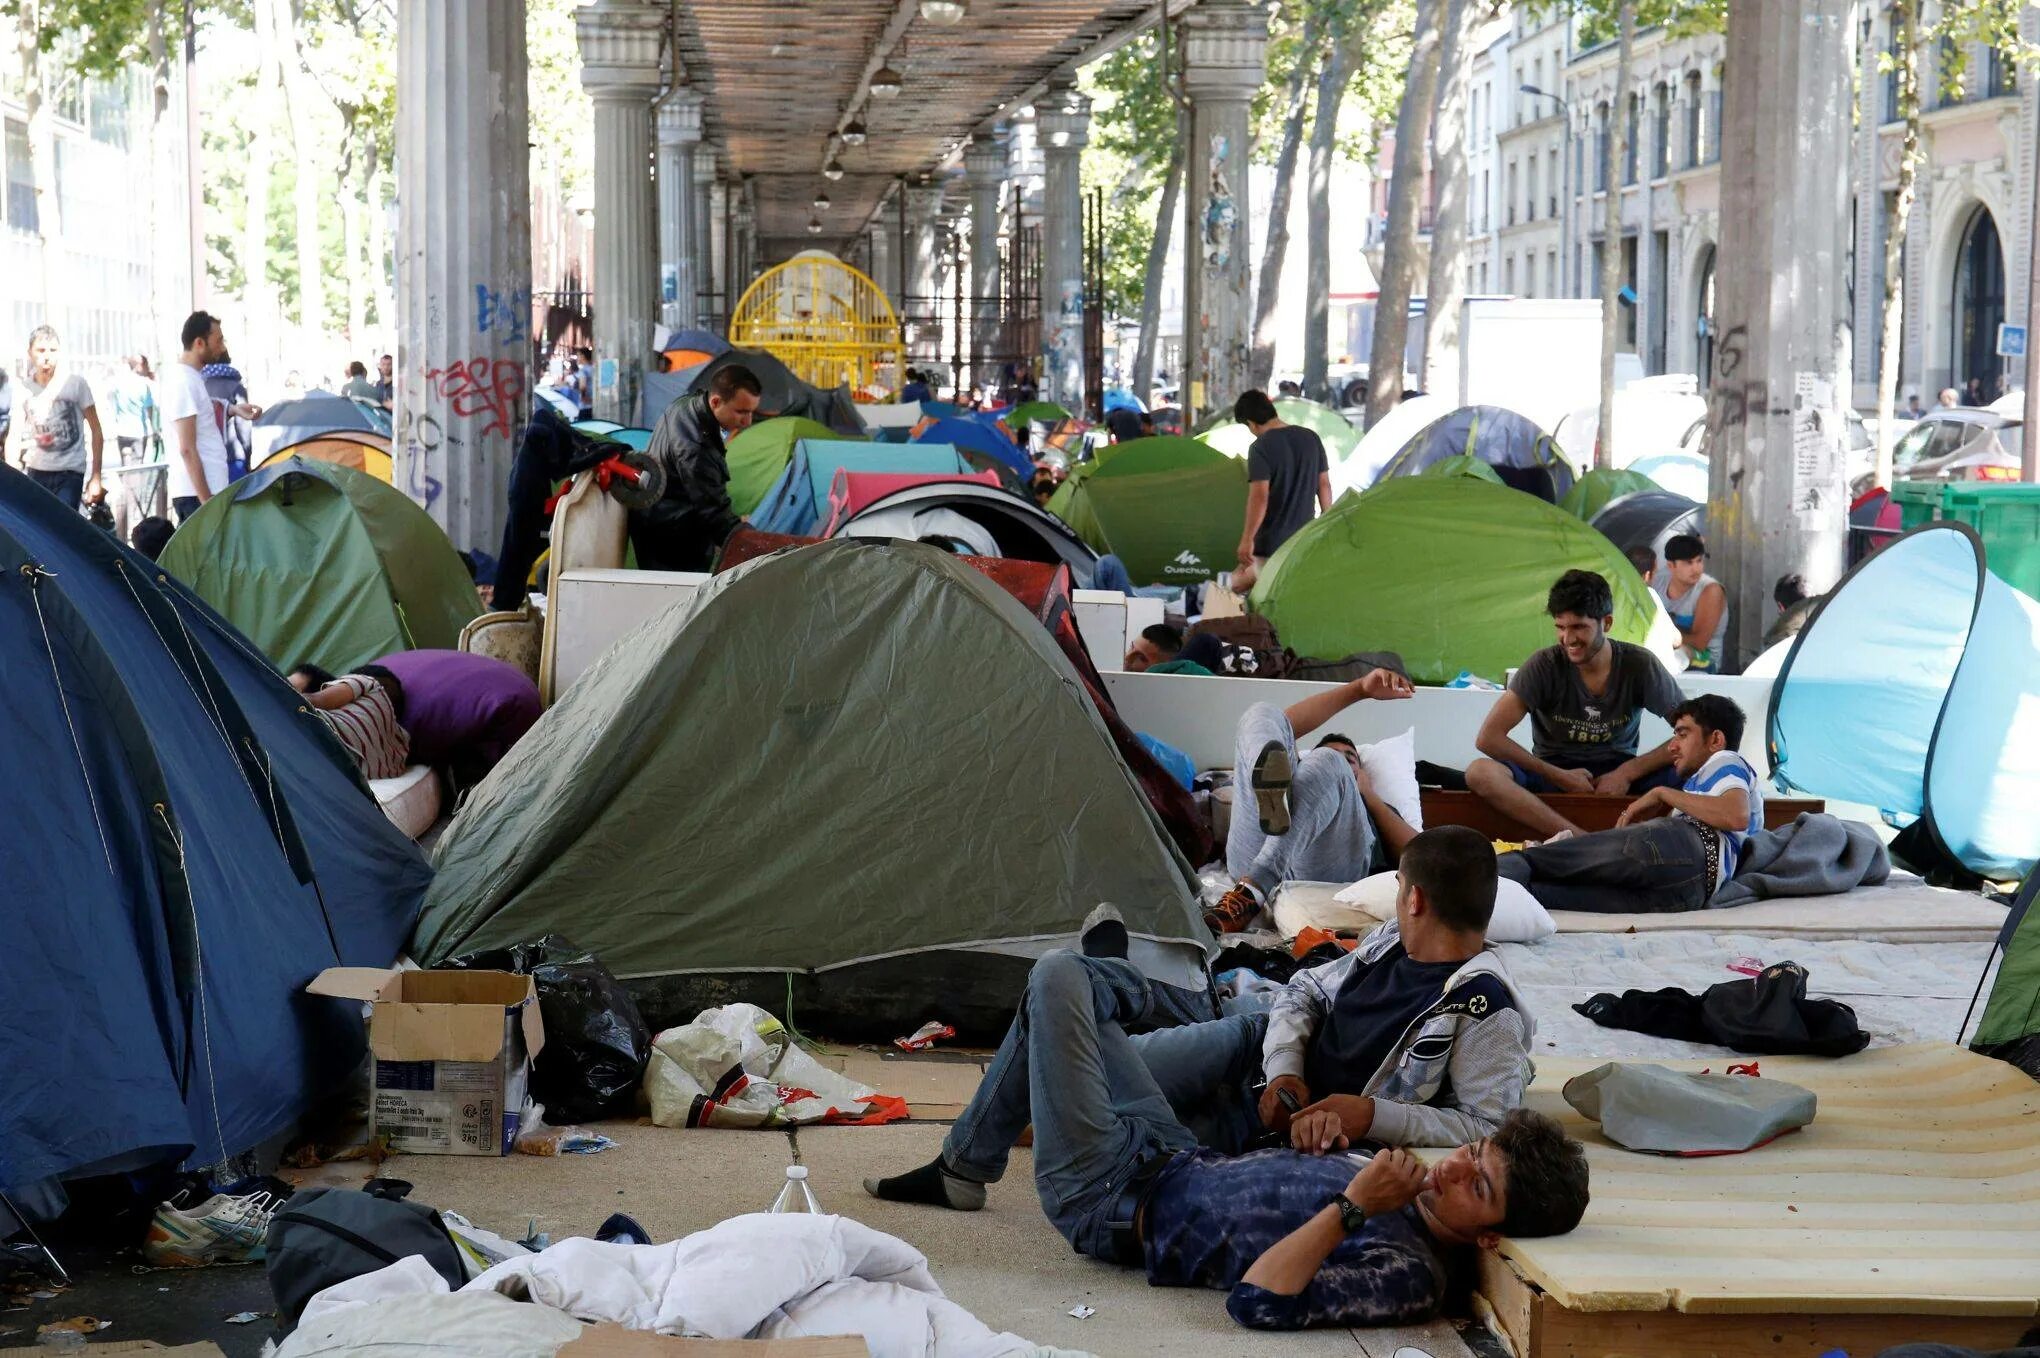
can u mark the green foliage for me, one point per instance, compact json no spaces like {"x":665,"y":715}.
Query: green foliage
{"x":562,"y":115}
{"x":1133,"y":137}
{"x":1599,"y":18}
{"x":99,"y":36}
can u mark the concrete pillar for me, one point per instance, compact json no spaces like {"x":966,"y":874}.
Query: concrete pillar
{"x":1062,"y":127}
{"x":679,"y":132}
{"x":1225,"y":51}
{"x":883,"y":270}
{"x":463,"y":261}
{"x":717,"y":204}
{"x":1779,"y":491}
{"x":984,"y":165}
{"x":1869,"y":189}
{"x":746,"y":267}
{"x":921,"y":269}
{"x":620,"y":42}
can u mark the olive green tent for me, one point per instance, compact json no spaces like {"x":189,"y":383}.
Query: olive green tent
{"x":320,"y":563}
{"x":1032,"y":412}
{"x":1592,"y":492}
{"x":1341,"y":438}
{"x":792,"y":789}
{"x":1464,"y":464}
{"x":1171,"y":508}
{"x":1450,"y":572}
{"x":759,"y":454}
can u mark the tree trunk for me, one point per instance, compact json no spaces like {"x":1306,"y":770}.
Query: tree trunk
{"x":257,"y":299}
{"x":1268,"y":296}
{"x":382,"y":289}
{"x":298,"y":99}
{"x":1317,"y":278}
{"x":1611,"y":237}
{"x":1893,"y":330}
{"x":1405,"y":195}
{"x":1151,"y":279}
{"x":1447,"y":286}
{"x":42,"y":158}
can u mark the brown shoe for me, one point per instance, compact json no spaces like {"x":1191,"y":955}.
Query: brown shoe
{"x":1232,"y":912}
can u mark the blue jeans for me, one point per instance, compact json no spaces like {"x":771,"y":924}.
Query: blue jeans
{"x":1209,"y":1072}
{"x":1068,"y":1066}
{"x":66,"y":486}
{"x":1653,"y":867}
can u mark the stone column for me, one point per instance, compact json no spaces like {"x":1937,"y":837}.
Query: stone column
{"x":705,"y":227}
{"x":1779,"y":498}
{"x":1869,"y":193}
{"x":1225,"y":50}
{"x":717,"y":203}
{"x":679,"y":131}
{"x":920,"y":267}
{"x":1062,"y":127}
{"x":620,"y":42}
{"x":746,"y":269}
{"x":463,"y":252}
{"x":984,"y":165}
{"x":883,"y":271}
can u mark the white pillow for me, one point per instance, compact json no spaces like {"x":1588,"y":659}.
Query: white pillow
{"x":1392,"y":766}
{"x":1518,"y":918}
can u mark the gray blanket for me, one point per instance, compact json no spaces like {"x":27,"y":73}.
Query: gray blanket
{"x":1816,"y":855}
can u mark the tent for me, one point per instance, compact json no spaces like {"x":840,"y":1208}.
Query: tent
{"x":1593,"y":491}
{"x":1450,"y":572}
{"x":1650,"y":518}
{"x":1170,"y":507}
{"x":759,"y":454}
{"x":1680,"y":473}
{"x":1915,"y":688}
{"x":989,"y":521}
{"x":310,"y":416}
{"x":187,"y":847}
{"x":898,"y":864}
{"x":977,"y":436}
{"x":1464,"y":464}
{"x":892,"y":414}
{"x":317,"y":563}
{"x":1035,"y":412}
{"x":356,"y":449}
{"x":852,"y":492}
{"x":1340,"y":437}
{"x":2012,"y":1018}
{"x":798,"y":501}
{"x":1384,"y":439}
{"x":784,"y":394}
{"x":1520,"y":452}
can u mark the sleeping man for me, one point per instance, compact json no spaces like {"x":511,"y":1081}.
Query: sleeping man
{"x":1295,"y":1238}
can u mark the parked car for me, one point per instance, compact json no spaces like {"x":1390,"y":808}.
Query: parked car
{"x":1966,"y":443}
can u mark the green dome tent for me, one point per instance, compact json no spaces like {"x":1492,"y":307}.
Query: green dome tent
{"x":1030,"y":412}
{"x":1340,"y":437}
{"x":1464,"y":464}
{"x":1449,"y":572}
{"x":319,"y":563}
{"x":759,"y":455}
{"x":1170,"y":507}
{"x":892,"y":864}
{"x":1593,"y":492}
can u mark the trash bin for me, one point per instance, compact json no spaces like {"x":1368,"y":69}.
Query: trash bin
{"x":2005,"y":514}
{"x":1918,"y":502}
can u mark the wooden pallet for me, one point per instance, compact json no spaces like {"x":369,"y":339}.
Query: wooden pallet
{"x":1588,"y":810}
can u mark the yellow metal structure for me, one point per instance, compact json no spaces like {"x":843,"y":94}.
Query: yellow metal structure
{"x":827,"y":322}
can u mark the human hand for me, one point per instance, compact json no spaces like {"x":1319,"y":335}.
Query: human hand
{"x":1245,"y":555}
{"x":247,"y":410}
{"x":1385,"y":684}
{"x":1387,"y":1183}
{"x":94,"y":491}
{"x":1649,"y":805}
{"x":1573,"y":780}
{"x":1355,"y":1114}
{"x":1274,"y":1114}
{"x":1614,"y":782}
{"x":1317,"y":1132}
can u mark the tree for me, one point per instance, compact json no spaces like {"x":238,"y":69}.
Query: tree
{"x":1448,"y":234}
{"x":1398,"y":255}
{"x":1611,"y":231}
{"x":1134,"y":132}
{"x":1261,"y":362}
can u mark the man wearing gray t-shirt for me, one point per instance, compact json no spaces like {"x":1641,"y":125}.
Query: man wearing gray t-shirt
{"x":55,"y":435}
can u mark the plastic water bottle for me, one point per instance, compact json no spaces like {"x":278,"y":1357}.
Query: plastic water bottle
{"x":795,"y":1196}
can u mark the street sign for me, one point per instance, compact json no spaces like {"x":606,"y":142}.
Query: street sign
{"x":2011,"y":341}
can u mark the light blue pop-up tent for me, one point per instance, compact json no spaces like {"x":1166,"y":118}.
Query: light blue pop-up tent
{"x":1915,"y":688}
{"x":799,"y":500}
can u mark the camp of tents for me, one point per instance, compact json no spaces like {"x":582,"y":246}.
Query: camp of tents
{"x":1171,"y":508}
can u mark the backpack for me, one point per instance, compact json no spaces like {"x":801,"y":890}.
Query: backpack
{"x":325,"y":1236}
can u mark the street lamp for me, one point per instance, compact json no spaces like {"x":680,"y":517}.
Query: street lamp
{"x":1565,"y":158}
{"x":814,"y":226}
{"x":853,"y":133}
{"x":944,"y":12}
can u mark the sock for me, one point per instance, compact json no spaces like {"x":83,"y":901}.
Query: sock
{"x":931,"y":1184}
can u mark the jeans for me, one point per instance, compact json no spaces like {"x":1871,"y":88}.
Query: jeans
{"x":1068,"y":1066}
{"x":66,"y":486}
{"x":1653,"y":867}
{"x":1110,"y":573}
{"x":1330,"y":837}
{"x":1208,"y":1072}
{"x":185,"y":506}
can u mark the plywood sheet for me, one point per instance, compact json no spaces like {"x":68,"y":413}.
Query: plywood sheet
{"x":935,"y":1084}
{"x":1916,"y":1190}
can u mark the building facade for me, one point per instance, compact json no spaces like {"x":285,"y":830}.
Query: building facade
{"x":1529,"y":152}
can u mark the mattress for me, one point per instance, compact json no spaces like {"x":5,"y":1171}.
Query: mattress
{"x":411,"y":799}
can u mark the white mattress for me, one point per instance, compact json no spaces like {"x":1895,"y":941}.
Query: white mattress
{"x":411,"y":799}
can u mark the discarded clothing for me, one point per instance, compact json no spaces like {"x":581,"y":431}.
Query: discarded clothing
{"x":1769,"y":1015}
{"x":1651,"y":1108}
{"x":1816,"y":855}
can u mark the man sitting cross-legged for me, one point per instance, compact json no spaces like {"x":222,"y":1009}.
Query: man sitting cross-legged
{"x":1671,"y":850}
{"x":1296,"y":1239}
{"x":1312,"y":817}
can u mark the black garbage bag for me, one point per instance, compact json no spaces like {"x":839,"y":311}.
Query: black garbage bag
{"x":596,"y":1042}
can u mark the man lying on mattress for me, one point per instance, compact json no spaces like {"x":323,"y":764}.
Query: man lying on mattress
{"x":1296,"y":1238}
{"x":1671,"y":849}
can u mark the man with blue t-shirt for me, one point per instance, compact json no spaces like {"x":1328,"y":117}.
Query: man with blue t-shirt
{"x":1672,"y":849}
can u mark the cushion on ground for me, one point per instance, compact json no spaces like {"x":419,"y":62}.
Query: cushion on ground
{"x":411,"y":799}
{"x":1518,"y":918}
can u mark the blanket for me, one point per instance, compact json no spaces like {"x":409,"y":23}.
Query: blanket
{"x":1816,"y":855}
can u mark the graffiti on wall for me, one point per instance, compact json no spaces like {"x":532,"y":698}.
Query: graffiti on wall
{"x":1062,"y":349}
{"x":1221,"y":213}
{"x":481,"y":396}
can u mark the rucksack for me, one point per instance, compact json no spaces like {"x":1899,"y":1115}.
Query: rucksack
{"x":326,"y":1236}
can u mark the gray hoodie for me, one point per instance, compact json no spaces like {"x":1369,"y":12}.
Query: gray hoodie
{"x":1458,"y":1068}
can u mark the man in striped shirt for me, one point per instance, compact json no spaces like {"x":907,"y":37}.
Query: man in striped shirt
{"x":365,"y":710}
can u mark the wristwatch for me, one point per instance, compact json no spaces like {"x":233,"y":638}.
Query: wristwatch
{"x":1351,"y":1215}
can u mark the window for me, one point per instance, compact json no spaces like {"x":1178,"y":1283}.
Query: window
{"x":1509,"y":275}
{"x":21,"y":214}
{"x":1711,"y":150}
{"x":1631,"y":118}
{"x":1554,"y":162}
{"x":1512,"y":193}
{"x":1486,"y":185}
{"x":1551,"y":273}
{"x":1661,"y":131}
{"x":1692,"y":119}
{"x":1530,"y":198}
{"x":107,"y":110}
{"x":1891,"y":49}
{"x":2000,"y":77}
{"x":1601,"y":148}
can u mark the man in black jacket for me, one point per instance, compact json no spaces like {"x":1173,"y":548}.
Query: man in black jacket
{"x":688,"y":525}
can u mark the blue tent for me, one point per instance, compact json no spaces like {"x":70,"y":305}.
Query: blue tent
{"x":188,"y":845}
{"x":799,"y":500}
{"x":1915,"y":688}
{"x":1522,"y":454}
{"x":979,"y":438}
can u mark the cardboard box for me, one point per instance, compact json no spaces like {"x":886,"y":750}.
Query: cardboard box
{"x":452,"y":1054}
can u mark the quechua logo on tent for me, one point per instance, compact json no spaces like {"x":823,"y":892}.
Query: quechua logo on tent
{"x":1187,"y":565}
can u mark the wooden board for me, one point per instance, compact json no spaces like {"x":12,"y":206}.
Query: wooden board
{"x":1909,"y":1208}
{"x":936,"y":1084}
{"x":1588,"y":810}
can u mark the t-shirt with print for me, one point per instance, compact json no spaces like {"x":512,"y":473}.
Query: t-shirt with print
{"x":1290,"y":460}
{"x":52,"y":423}
{"x":184,"y":395}
{"x":1722,"y":773}
{"x":368,"y":727}
{"x":1572,"y":728}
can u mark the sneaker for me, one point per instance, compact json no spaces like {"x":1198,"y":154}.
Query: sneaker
{"x":1270,"y":779}
{"x":1234,"y":911}
{"x":222,"y":1230}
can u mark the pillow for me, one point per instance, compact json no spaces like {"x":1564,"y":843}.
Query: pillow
{"x":1392,"y":765}
{"x":1518,"y":918}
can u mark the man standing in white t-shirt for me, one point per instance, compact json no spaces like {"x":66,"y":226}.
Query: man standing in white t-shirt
{"x":198,"y":452}
{"x":55,"y":425}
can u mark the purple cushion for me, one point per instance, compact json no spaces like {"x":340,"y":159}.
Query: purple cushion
{"x":458,"y":705}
